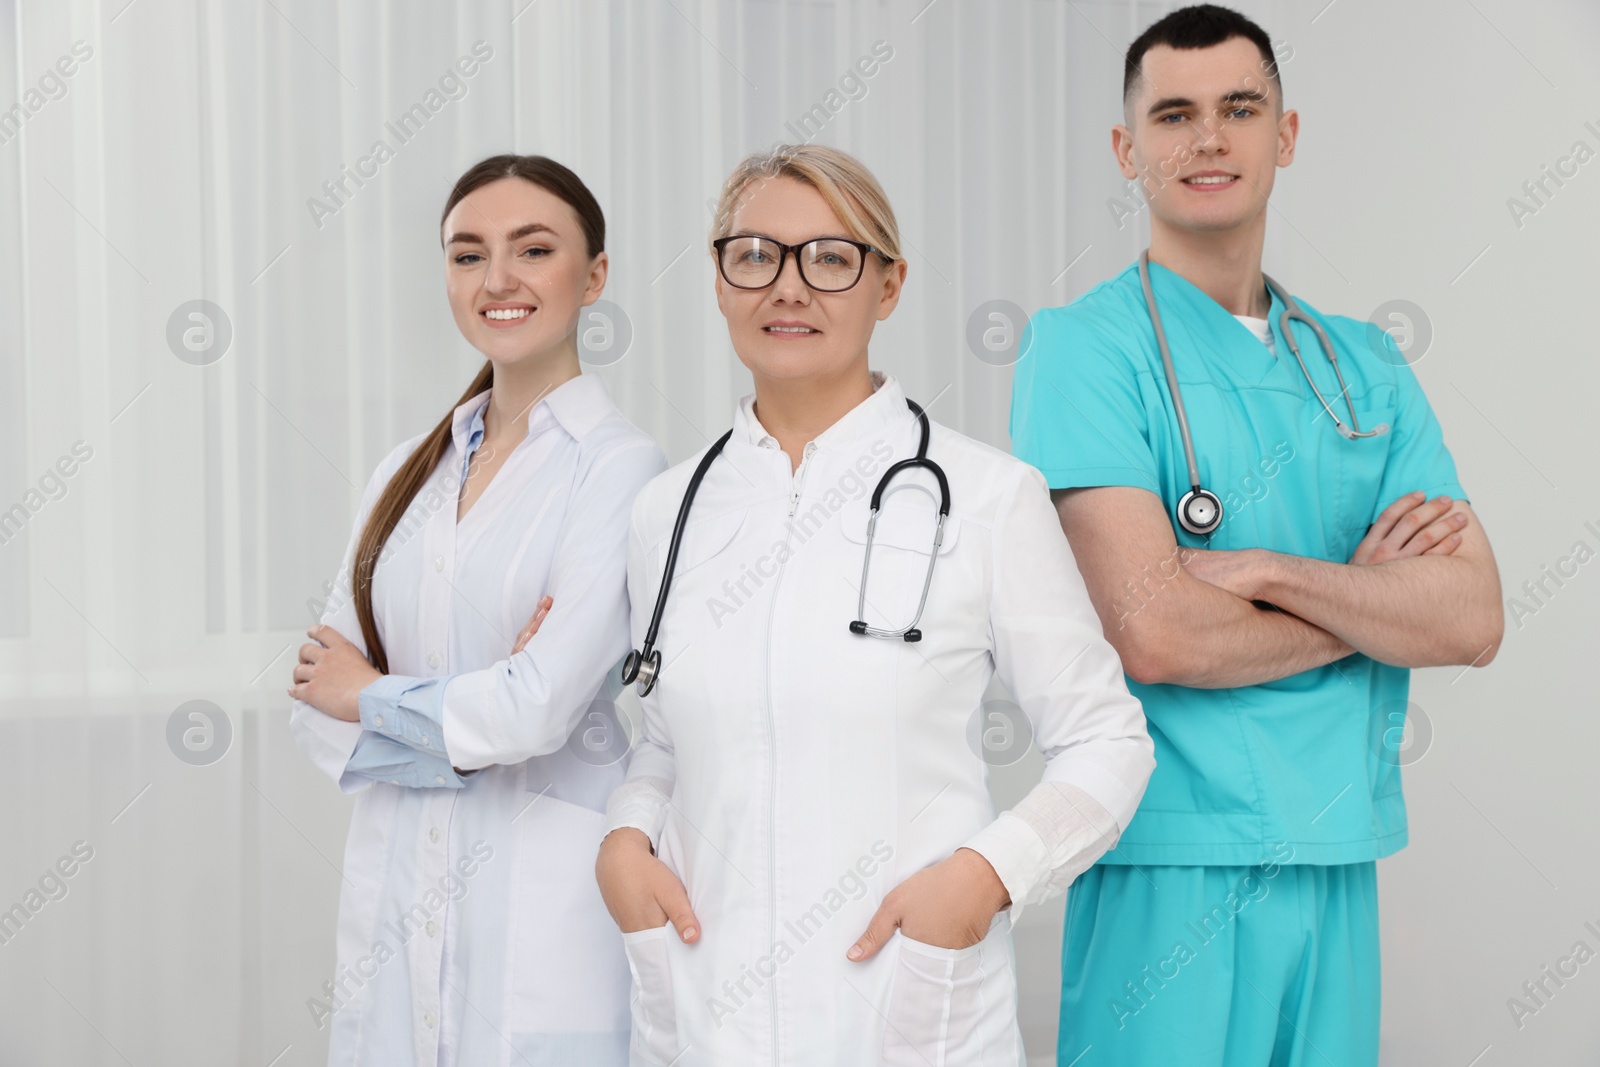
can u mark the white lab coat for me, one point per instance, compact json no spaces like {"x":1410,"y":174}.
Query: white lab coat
{"x":811,"y":770}
{"x":471,"y":930}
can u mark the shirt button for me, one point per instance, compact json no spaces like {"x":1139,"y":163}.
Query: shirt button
{"x":439,"y":778}
{"x":433,"y":659}
{"x":377,"y":720}
{"x":427,"y":1017}
{"x":438,"y":563}
{"x":432,"y":928}
{"x":425,"y":740}
{"x":433,"y":833}
{"x":394,"y":781}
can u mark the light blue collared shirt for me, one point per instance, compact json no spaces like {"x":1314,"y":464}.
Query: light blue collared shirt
{"x":404,"y":717}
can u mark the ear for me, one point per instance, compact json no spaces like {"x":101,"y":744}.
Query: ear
{"x":1288,"y":135}
{"x":598,"y":270}
{"x":1122,"y":148}
{"x":894,"y":280}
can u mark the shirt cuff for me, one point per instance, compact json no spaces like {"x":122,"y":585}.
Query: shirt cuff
{"x":641,"y":804}
{"x":407,"y":710}
{"x":382,"y":759}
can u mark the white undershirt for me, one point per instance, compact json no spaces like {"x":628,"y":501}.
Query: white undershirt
{"x":1262,"y":329}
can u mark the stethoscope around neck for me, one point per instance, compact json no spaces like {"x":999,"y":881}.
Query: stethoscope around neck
{"x":643,"y":665}
{"x":1199,"y":510}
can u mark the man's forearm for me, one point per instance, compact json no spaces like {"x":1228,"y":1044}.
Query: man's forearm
{"x":1422,"y":611}
{"x":1207,"y":638}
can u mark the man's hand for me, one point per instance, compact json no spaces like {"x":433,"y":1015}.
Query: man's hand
{"x":331,"y":674}
{"x":949,"y":905}
{"x":1231,"y":570}
{"x":1412,"y":526}
{"x":640,"y":891}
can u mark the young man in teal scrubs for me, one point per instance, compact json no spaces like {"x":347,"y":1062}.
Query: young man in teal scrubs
{"x":1236,"y":921}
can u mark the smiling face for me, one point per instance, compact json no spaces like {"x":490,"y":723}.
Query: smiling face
{"x":1204,"y":136}
{"x":518,"y":270}
{"x":787,"y":330}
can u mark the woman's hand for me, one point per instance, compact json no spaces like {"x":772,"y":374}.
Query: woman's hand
{"x":331,"y":674}
{"x":948,"y":905}
{"x":332,"y":671}
{"x":545,"y":603}
{"x":640,"y":891}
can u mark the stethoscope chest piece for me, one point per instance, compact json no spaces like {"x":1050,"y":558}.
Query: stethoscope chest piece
{"x":1200,"y":512}
{"x":642,"y":668}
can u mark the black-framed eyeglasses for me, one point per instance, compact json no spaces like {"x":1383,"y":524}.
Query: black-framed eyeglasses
{"x":826,"y":264}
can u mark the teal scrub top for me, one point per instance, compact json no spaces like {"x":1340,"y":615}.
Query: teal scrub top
{"x":1309,"y":760}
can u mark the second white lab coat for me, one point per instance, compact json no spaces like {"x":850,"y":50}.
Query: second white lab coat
{"x":811,"y":770}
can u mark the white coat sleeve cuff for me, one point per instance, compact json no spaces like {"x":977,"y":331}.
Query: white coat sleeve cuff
{"x":1017,"y":854}
{"x":1039,"y":847}
{"x":327,"y":742}
{"x":642,"y":804}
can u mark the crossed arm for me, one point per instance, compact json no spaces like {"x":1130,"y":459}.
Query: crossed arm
{"x":1420,"y":590}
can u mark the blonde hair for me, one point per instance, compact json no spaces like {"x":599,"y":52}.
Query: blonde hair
{"x":842,"y":179}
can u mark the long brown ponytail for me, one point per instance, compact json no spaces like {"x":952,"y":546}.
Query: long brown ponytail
{"x":413,"y":473}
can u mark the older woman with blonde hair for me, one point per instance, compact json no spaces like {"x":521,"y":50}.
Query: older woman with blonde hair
{"x":804,"y":860}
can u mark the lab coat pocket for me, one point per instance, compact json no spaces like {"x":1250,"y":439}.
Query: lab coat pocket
{"x":936,"y":1005}
{"x":902,"y":547}
{"x":568,"y":971}
{"x":655,"y":1011}
{"x":703,"y":540}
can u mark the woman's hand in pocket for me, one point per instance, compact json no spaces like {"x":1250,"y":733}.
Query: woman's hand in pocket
{"x":640,"y":891}
{"x":948,"y":905}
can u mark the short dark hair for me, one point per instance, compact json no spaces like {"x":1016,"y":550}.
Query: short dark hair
{"x":1198,"y":26}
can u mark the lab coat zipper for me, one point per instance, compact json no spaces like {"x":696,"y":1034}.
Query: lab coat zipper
{"x":799,"y":476}
{"x":772,"y":734}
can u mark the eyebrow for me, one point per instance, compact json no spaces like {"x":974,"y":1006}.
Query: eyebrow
{"x":465,"y":237}
{"x":819,"y":237}
{"x":1237,"y":96}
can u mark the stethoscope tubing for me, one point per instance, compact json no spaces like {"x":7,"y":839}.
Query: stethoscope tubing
{"x":644,"y":664}
{"x":1292,"y":312}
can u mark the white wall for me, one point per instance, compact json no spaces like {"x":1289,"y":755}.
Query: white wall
{"x":178,"y":561}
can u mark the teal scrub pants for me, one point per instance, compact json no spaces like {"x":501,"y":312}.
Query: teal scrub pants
{"x":1273,"y":966}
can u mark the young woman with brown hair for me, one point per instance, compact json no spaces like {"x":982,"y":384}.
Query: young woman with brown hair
{"x":470,"y":927}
